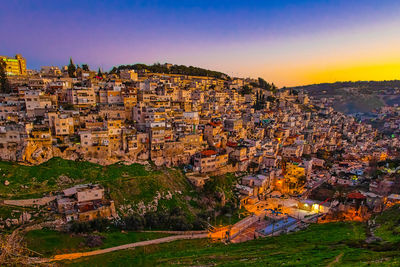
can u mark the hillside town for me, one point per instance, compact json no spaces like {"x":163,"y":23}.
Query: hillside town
{"x":200,"y":133}
{"x":298,"y":159}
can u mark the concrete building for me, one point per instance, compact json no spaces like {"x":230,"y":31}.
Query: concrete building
{"x":14,"y":66}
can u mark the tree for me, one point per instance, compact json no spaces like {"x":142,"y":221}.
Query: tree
{"x":264,"y":84}
{"x":134,"y":222}
{"x":152,"y":220}
{"x":85,"y":67}
{"x":174,"y":69}
{"x":99,"y":73}
{"x":267,"y":86}
{"x":245,"y":90}
{"x":4,"y":84}
{"x":271,"y":99}
{"x":80,"y":227}
{"x":260,"y":101}
{"x":71,"y":68}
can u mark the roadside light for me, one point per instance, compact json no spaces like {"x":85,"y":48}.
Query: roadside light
{"x":315,"y":207}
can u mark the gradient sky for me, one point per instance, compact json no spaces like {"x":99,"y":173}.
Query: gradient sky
{"x":287,"y":42}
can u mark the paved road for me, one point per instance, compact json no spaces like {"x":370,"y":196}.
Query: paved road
{"x":77,"y":255}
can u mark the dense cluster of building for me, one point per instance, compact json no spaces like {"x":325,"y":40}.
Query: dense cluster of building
{"x":208,"y":125}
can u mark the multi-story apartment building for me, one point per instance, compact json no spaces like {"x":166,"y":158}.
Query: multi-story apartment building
{"x":14,"y":66}
{"x":81,"y":96}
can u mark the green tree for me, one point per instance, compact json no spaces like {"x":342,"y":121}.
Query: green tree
{"x":99,"y":73}
{"x":271,"y":99}
{"x":174,"y":69}
{"x":245,"y":90}
{"x":85,"y":67}
{"x":273,"y":87}
{"x":71,"y":68}
{"x":266,"y":86}
{"x":4,"y":84}
{"x":134,"y":222}
{"x":260,"y":101}
{"x":263,"y":84}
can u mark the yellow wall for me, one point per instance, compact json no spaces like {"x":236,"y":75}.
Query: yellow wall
{"x":14,"y":66}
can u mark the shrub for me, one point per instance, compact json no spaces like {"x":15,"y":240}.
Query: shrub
{"x":134,"y":222}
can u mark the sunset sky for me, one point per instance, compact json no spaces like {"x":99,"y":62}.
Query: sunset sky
{"x":286,"y":42}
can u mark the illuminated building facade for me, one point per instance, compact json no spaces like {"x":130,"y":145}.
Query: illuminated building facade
{"x":14,"y":66}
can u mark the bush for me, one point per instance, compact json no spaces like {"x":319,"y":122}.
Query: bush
{"x":179,"y":223}
{"x":152,"y":220}
{"x":199,"y":224}
{"x":85,"y":227}
{"x":93,"y":241}
{"x":134,"y":222}
{"x":175,"y":220}
{"x":80,"y":227}
{"x":99,"y":224}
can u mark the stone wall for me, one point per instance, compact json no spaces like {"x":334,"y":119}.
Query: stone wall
{"x":30,"y":202}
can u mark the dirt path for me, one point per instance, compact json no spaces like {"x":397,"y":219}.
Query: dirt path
{"x":337,"y":259}
{"x":77,"y":255}
{"x":175,"y":232}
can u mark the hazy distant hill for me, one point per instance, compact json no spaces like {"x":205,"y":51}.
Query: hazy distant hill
{"x":361,"y":96}
{"x":172,"y":69}
{"x":359,"y":84}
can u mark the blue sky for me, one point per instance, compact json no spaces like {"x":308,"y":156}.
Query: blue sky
{"x":278,"y":40}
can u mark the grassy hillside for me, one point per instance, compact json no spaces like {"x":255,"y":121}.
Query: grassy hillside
{"x":389,"y":225}
{"x":342,"y":244}
{"x":49,"y":242}
{"x":358,"y":103}
{"x":57,"y":174}
{"x":319,"y":245}
{"x":338,"y":244}
{"x":127,"y":185}
{"x":365,"y":85}
{"x":164,"y":194}
{"x":361,"y":96}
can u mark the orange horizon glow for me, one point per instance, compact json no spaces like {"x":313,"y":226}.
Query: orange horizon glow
{"x":340,"y":73}
{"x":288,"y":42}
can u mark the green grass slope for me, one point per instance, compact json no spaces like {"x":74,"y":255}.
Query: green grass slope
{"x":332,"y":244}
{"x":125,"y":184}
{"x":388,"y":225}
{"x":50,"y":242}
